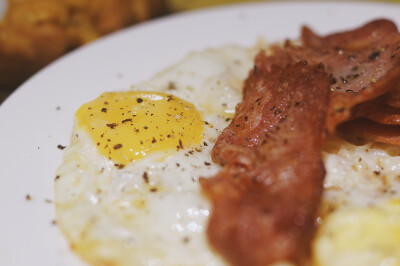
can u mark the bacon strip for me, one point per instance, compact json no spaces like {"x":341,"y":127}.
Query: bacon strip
{"x":393,"y":97}
{"x":363,"y":64}
{"x":379,"y":111}
{"x":259,"y":113}
{"x":265,"y":198}
{"x":367,"y":129}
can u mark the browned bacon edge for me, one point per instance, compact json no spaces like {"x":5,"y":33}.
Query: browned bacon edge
{"x":265,"y":198}
{"x":368,"y":129}
{"x":363,"y":63}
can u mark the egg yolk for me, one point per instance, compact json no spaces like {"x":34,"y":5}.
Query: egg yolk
{"x":128,"y":125}
{"x":360,"y":236}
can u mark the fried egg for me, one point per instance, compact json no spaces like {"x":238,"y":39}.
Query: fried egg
{"x":360,"y":217}
{"x":127,"y":191}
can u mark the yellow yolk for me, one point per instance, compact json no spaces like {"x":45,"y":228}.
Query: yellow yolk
{"x":128,"y":125}
{"x":360,"y":236}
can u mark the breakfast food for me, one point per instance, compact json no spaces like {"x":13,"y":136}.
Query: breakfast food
{"x":150,"y":210}
{"x":272,"y":178}
{"x":185,"y":170}
{"x":33,"y":33}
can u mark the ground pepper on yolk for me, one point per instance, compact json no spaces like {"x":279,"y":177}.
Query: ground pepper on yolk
{"x":128,"y":125}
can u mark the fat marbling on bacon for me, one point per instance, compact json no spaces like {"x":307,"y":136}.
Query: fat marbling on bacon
{"x":265,"y":198}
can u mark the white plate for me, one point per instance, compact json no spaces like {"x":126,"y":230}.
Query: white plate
{"x":39,"y":115}
{"x":3,"y":7}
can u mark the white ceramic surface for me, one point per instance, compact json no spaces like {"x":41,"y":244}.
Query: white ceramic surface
{"x":3,"y":7}
{"x":39,"y":115}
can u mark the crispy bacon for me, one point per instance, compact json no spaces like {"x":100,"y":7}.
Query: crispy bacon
{"x":366,"y":36}
{"x":363,"y":64}
{"x":368,"y":129}
{"x":260,"y":112}
{"x":378,"y":110}
{"x":266,"y":196}
{"x":393,"y":97}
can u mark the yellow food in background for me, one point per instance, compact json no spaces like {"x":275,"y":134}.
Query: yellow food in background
{"x":360,"y":236}
{"x":181,"y":5}
{"x":34,"y":33}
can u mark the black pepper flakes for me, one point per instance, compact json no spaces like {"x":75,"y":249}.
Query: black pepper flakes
{"x":127,"y":120}
{"x":118,"y":146}
{"x":28,"y":197}
{"x":61,"y":147}
{"x":180,"y":144}
{"x":57,"y":177}
{"x":333,"y":79}
{"x":112,"y":125}
{"x":104,"y":110}
{"x":255,"y":69}
{"x":171,"y":86}
{"x":145,"y":177}
{"x":373,"y":56}
{"x":119,"y":165}
{"x":139,"y":100}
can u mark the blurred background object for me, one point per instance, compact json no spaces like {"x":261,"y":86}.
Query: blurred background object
{"x":182,"y":5}
{"x":34,"y":33}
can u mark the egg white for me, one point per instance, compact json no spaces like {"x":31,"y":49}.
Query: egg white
{"x":152,"y":211}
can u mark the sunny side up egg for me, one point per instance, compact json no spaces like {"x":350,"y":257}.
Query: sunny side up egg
{"x":127,"y":191}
